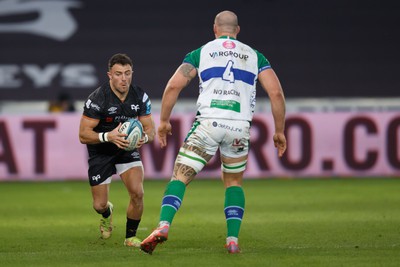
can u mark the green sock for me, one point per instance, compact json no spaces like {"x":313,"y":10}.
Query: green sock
{"x":234,"y":209}
{"x":172,"y":200}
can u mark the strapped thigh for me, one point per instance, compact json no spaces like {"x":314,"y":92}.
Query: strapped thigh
{"x":191,"y":159}
{"x":234,"y":167}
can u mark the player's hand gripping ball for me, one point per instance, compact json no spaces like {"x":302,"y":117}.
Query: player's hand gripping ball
{"x":134,"y":129}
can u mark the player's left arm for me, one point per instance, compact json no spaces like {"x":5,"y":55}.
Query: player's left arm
{"x":270,"y":83}
{"x":149,"y":129}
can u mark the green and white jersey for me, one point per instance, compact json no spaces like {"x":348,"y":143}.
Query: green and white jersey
{"x":228,"y":71}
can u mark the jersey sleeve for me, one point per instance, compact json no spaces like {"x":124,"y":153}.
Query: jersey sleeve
{"x":193,"y":58}
{"x":263,"y":63}
{"x":92,"y":105}
{"x":145,"y":103}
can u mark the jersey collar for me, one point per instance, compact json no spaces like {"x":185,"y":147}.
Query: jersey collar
{"x":226,"y":37}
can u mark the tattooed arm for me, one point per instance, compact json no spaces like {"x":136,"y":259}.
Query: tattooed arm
{"x":181,"y":78}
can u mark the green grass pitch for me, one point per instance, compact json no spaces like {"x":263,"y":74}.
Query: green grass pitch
{"x":287,"y":222}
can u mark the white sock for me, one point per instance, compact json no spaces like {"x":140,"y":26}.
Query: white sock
{"x":162,"y":223}
{"x":232,"y":238}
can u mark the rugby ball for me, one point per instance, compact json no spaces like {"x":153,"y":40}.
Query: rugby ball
{"x":134,"y":129}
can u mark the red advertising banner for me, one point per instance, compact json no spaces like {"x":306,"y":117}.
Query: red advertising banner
{"x":341,"y":144}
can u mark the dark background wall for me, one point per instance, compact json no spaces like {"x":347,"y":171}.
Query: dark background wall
{"x":318,"y":48}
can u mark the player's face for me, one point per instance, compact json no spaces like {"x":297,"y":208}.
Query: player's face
{"x":120,"y":78}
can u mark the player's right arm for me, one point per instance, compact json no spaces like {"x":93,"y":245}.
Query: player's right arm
{"x":87,"y":135}
{"x":181,"y":78}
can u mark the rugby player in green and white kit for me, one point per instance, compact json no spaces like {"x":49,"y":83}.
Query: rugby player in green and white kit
{"x":228,"y":71}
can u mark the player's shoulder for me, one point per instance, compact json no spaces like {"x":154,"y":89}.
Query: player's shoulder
{"x":100,"y":92}
{"x":246,"y":47}
{"x":138,"y":93}
{"x":261,"y":59}
{"x":97,"y":98}
{"x":137,"y":90}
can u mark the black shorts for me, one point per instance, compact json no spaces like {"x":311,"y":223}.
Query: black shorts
{"x":102,"y":166}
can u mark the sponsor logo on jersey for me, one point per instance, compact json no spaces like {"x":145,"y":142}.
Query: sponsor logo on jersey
{"x":229,"y":44}
{"x":123,"y":118}
{"x":95,"y":106}
{"x":87,"y":104}
{"x":228,"y":54}
{"x":226,"y":92}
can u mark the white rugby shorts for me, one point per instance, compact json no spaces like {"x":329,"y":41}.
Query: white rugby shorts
{"x":230,"y":136}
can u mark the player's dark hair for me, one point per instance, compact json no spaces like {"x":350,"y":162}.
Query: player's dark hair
{"x":122,"y":59}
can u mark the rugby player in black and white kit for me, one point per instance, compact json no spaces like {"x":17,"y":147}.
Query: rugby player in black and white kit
{"x":104,"y":112}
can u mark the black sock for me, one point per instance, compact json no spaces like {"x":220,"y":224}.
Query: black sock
{"x":131,"y":227}
{"x":107,"y":213}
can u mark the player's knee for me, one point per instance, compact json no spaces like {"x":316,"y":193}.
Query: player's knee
{"x":136,"y":195}
{"x":234,"y":167}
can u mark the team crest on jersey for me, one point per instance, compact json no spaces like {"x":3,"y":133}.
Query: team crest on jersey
{"x":228,"y":44}
{"x":135,"y":107}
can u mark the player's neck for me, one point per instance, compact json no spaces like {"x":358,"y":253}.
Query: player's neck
{"x":121,"y":95}
{"x":226,"y":35}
